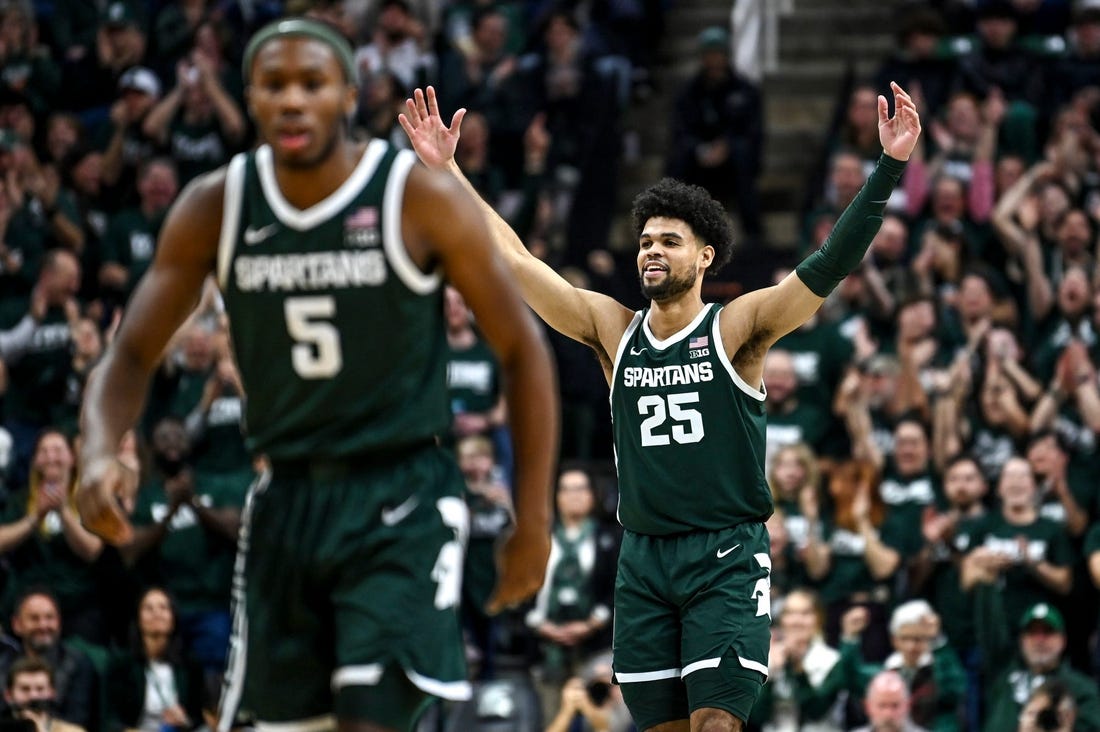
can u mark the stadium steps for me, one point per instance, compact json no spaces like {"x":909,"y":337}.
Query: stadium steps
{"x":818,"y":44}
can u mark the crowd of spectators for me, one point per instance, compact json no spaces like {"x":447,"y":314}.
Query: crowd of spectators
{"x":933,"y":432}
{"x":932,"y":437}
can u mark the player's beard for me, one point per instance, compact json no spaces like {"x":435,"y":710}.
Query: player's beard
{"x":668,"y":288}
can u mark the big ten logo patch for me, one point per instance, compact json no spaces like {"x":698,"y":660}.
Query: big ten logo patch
{"x":361,"y":228}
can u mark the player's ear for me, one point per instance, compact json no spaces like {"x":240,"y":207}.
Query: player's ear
{"x":248,"y":101}
{"x":708,"y":255}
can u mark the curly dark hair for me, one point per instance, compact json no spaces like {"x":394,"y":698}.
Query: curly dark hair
{"x":673,"y":199}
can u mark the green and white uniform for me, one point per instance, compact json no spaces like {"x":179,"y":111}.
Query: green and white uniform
{"x":692,"y":592}
{"x":351,"y":550}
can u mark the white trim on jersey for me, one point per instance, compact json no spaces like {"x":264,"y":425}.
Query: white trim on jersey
{"x":627,"y":335}
{"x":396,"y":253}
{"x":678,"y":335}
{"x":327,"y":207}
{"x":758,"y":394}
{"x":231,"y":216}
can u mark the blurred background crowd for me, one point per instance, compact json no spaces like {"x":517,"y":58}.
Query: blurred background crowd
{"x":932,"y":436}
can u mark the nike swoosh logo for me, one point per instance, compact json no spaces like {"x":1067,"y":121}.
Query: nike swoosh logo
{"x":724,"y":553}
{"x":255,"y":236}
{"x":638,"y":352}
{"x":397,"y":514}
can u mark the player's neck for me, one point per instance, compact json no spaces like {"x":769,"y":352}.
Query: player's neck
{"x":305,"y":186}
{"x":668,"y":317}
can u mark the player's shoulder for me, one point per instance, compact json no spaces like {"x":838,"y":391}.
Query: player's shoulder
{"x":197,"y":211}
{"x":206,"y":192}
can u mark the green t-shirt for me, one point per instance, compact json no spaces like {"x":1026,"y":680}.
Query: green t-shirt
{"x":1045,"y":540}
{"x":131,"y":241}
{"x":38,"y":379}
{"x":473,"y":378}
{"x":820,"y":354}
{"x":906,"y":497}
{"x":221,"y":448}
{"x":488,"y":522}
{"x":192,"y":562}
{"x":46,"y":559}
{"x":848,"y":572}
{"x":197,"y":148}
{"x":807,"y":423}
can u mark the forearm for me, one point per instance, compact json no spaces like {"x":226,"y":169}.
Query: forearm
{"x":113,"y":402}
{"x":145,"y":538}
{"x":504,"y":239}
{"x":881,"y":560}
{"x":1017,"y":421}
{"x":1058,"y":579}
{"x":1046,"y":409}
{"x":1040,"y":294}
{"x":84,"y":543}
{"x":1077,"y":519}
{"x":562,"y":721}
{"x":229,"y":116}
{"x":14,"y":342}
{"x":946,"y":442}
{"x":225,"y":523}
{"x":15,"y":533}
{"x":112,"y":157}
{"x":982,"y":194}
{"x":817,"y":557}
{"x":1088,"y":403}
{"x":1029,"y":388}
{"x":843,"y":250}
{"x":160,"y":116}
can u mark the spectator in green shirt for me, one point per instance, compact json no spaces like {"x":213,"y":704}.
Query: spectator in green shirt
{"x":1017,"y":665}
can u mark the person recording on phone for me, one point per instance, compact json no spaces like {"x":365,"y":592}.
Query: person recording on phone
{"x":31,"y":696}
{"x":1050,"y":708}
{"x":591,"y":701}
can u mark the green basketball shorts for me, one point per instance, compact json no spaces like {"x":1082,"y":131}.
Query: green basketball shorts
{"x":346,"y":573}
{"x":692,"y":619}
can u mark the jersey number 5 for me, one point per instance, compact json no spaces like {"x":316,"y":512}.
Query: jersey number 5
{"x":316,"y":353}
{"x":660,"y":409}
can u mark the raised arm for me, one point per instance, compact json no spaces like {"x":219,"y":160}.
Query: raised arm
{"x":445,"y":220}
{"x":116,"y":388}
{"x":591,"y":318}
{"x":757,"y":320}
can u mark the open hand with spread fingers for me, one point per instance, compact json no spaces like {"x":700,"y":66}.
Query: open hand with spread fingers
{"x":434,"y":142}
{"x":898,"y":134}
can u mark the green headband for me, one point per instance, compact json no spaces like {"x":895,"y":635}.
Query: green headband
{"x":302,"y":27}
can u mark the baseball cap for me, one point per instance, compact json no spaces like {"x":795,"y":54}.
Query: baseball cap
{"x":119,"y":15}
{"x":140,"y":79}
{"x":1043,"y":613}
{"x":714,"y":38}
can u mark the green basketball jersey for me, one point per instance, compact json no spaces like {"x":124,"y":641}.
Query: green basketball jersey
{"x":338,"y":334}
{"x":688,"y":430}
